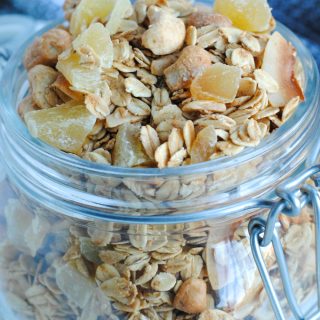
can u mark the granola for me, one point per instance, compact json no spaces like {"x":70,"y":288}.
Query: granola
{"x":164,"y":69}
{"x":58,"y":269}
{"x":157,"y":84}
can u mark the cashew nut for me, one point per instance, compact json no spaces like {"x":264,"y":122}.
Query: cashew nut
{"x":191,"y":297}
{"x":192,"y":61}
{"x":203,"y":18}
{"x":41,"y":78}
{"x":46,"y":49}
{"x":26,"y":105}
{"x":166,"y":33}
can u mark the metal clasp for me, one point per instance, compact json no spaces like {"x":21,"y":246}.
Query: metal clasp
{"x":293,"y":196}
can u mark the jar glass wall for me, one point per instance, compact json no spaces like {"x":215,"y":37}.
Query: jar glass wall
{"x":54,"y":267}
{"x":86,"y":241}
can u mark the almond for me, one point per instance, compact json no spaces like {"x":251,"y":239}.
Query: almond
{"x":191,"y":297}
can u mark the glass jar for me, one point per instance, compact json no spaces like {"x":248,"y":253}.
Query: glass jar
{"x":86,"y":241}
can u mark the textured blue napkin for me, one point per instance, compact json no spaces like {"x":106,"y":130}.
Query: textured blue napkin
{"x":303,"y":17}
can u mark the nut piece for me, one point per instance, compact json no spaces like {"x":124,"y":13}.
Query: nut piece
{"x":166,"y":33}
{"x":41,"y":78}
{"x":192,"y":36}
{"x":46,"y":49}
{"x":159,"y":65}
{"x":26,"y":105}
{"x":191,"y":297}
{"x":68,"y":8}
{"x":192,"y":61}
{"x":203,"y":18}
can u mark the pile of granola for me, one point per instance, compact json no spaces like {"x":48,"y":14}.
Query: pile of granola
{"x":163,"y":83}
{"x":158,"y":84}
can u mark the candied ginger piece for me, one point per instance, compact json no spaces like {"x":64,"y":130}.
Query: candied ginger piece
{"x":204,"y":145}
{"x":121,"y":10}
{"x":249,"y":15}
{"x":93,"y":51}
{"x":65,"y":127}
{"x":128,"y":150}
{"x":279,"y":61}
{"x":81,"y":77}
{"x":218,"y":82}
{"x":95,"y":42}
{"x":87,"y":11}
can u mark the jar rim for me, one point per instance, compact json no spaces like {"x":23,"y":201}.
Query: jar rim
{"x":12,"y":119}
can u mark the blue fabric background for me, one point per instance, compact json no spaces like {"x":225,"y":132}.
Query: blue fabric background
{"x":302,"y":16}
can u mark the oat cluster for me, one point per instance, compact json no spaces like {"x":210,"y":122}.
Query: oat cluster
{"x":164,"y":84}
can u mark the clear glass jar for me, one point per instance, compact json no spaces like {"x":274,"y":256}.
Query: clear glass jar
{"x":86,"y":241}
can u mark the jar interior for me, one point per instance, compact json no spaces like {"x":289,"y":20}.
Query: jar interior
{"x":59,"y":267}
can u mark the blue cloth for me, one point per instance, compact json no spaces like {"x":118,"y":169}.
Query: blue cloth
{"x":303,"y":17}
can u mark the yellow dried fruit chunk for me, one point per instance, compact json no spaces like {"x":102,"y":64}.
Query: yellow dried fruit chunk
{"x":128,"y":150}
{"x":93,"y":50}
{"x":89,"y":10}
{"x":65,"y":127}
{"x":121,"y":9}
{"x":204,"y":145}
{"x":80,"y":76}
{"x":249,"y":15}
{"x":96,"y":41}
{"x":218,"y":82}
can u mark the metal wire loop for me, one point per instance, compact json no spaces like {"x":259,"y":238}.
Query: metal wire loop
{"x":294,"y":195}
